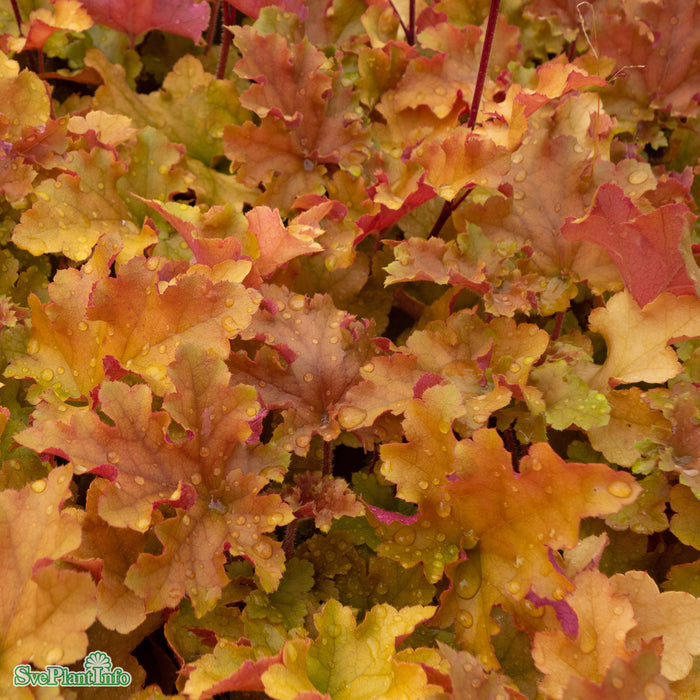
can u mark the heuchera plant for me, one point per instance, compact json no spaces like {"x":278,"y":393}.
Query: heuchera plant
{"x":351,"y":348}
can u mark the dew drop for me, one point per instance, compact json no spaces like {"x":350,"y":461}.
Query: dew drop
{"x":587,"y":642}
{"x":368,"y":368}
{"x":186,"y":520}
{"x":54,"y":655}
{"x":204,"y":452}
{"x":620,"y":489}
{"x":618,"y":683}
{"x":637,"y":177}
{"x":423,"y":485}
{"x":308,"y":377}
{"x":350,"y":417}
{"x":405,"y":536}
{"x":240,"y":520}
{"x":229,"y":324}
{"x":143,"y":524}
{"x":653,"y":691}
{"x":113,"y":457}
{"x":297,"y":302}
{"x":303,"y":441}
{"x":82,"y":326}
{"x":39,"y":486}
{"x":33,"y":346}
{"x":139,"y":480}
{"x":465,"y":618}
{"x":467,"y":581}
{"x":263,"y":549}
{"x":47,"y":375}
{"x":514,"y":587}
{"x":443,"y":509}
{"x":196,"y":478}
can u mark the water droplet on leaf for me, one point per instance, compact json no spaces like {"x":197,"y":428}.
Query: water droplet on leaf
{"x":405,"y":536}
{"x":620,"y":489}
{"x":39,"y":486}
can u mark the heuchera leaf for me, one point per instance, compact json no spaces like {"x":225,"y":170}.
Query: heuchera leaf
{"x":468,"y":679}
{"x":349,"y":661}
{"x":672,"y":615}
{"x":306,"y":120}
{"x":322,"y":498}
{"x":637,"y":339}
{"x":219,"y":506}
{"x":231,"y":666}
{"x":67,"y":14}
{"x":634,"y":678}
{"x":73,"y":210}
{"x":116,"y":549}
{"x":605,"y":616}
{"x":468,"y":495}
{"x":181,"y":17}
{"x":644,"y":246}
{"x":312,"y":355}
{"x":44,"y":610}
{"x":135,"y":318}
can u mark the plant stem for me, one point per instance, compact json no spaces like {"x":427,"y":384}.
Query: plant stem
{"x":289,"y":534}
{"x":447,"y":209}
{"x":229,"y":15}
{"x":213,"y":21}
{"x":327,"y":459}
{"x":484,"y":63}
{"x":18,"y":16}
{"x":409,"y":31}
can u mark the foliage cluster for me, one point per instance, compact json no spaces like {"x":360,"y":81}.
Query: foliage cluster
{"x":338,"y":367}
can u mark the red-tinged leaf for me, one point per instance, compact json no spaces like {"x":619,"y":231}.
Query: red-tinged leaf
{"x":44,"y":611}
{"x":73,"y":210}
{"x":322,"y":498}
{"x":644,"y":246}
{"x":278,"y":244}
{"x":350,"y":661}
{"x":391,"y":211}
{"x":469,"y":681}
{"x":147,"y":325}
{"x":460,"y":159}
{"x":220,"y":507}
{"x":672,"y":615}
{"x":312,"y":355}
{"x":67,"y":15}
{"x":637,"y":677}
{"x":190,"y":223}
{"x":292,"y":82}
{"x":513,"y":519}
{"x":434,"y":260}
{"x":183,"y":17}
{"x":605,"y":617}
{"x":135,"y":318}
{"x":116,"y":549}
{"x":233,"y":519}
{"x":230,"y":667}
{"x":252,"y":7}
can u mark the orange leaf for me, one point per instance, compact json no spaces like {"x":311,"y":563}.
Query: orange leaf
{"x":44,"y":611}
{"x":134,"y":18}
{"x":219,"y":506}
{"x":312,"y":355}
{"x":638,"y":339}
{"x":605,"y":617}
{"x":672,"y":615}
